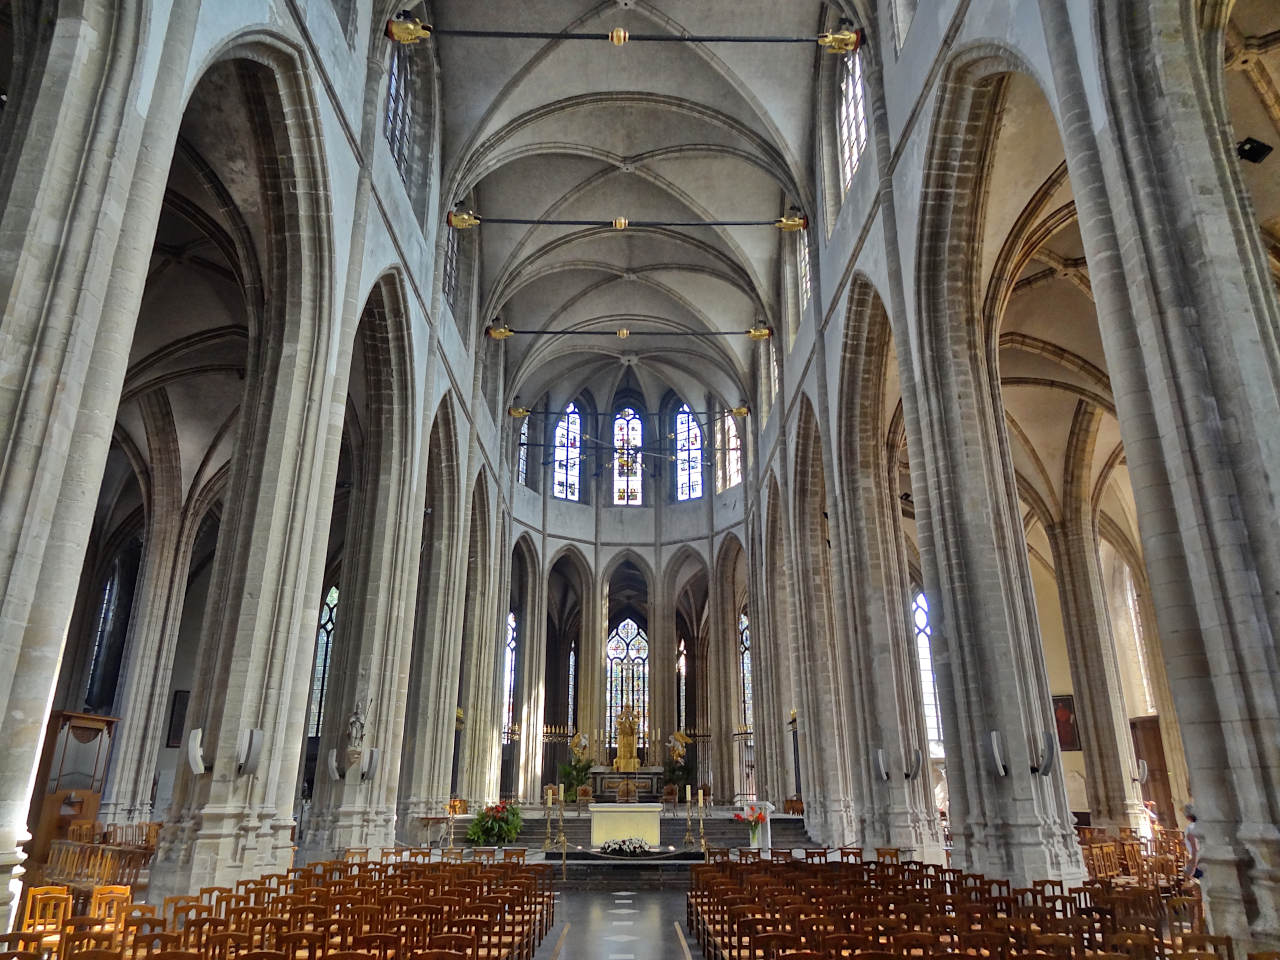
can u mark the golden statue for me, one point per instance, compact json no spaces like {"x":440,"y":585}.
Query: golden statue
{"x":579,"y":746}
{"x":678,"y":743}
{"x":628,"y":724}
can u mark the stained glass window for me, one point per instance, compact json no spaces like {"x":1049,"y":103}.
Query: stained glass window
{"x":729,"y":459}
{"x":628,"y":435}
{"x":744,"y":670}
{"x":320,"y":666}
{"x":399,"y":115}
{"x":928,"y":686}
{"x":804,"y":269}
{"x":627,"y":678}
{"x":509,"y":679}
{"x":682,"y":686}
{"x":851,"y":119}
{"x":450,"y":279}
{"x":688,"y":455}
{"x":568,"y":457}
{"x":522,"y":468}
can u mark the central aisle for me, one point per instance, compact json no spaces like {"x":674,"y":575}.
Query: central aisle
{"x":618,"y":925}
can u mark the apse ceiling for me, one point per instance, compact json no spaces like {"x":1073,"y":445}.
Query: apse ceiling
{"x":586,"y":130}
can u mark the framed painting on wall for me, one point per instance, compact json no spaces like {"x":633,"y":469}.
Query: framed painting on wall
{"x":1064,"y":717}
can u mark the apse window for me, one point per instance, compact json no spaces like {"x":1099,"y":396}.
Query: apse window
{"x":851,"y":118}
{"x":628,"y":434}
{"x":682,"y":686}
{"x":399,"y":115}
{"x":627,"y":679}
{"x":744,"y":671}
{"x":728,"y":454}
{"x":568,"y":455}
{"x":688,"y":455}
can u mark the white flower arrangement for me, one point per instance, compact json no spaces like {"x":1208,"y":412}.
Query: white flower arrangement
{"x":630,"y":847}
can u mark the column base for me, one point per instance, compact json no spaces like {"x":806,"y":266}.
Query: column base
{"x":12,"y":858}
{"x":1021,"y":853}
{"x":216,"y":850}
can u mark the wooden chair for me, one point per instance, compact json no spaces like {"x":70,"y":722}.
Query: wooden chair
{"x":21,"y":955}
{"x":20,"y":942}
{"x":84,"y":941}
{"x":583,"y":795}
{"x":178,"y":955}
{"x":46,"y":913}
{"x":670,"y":797}
{"x":1208,"y":943}
{"x":100,"y":955}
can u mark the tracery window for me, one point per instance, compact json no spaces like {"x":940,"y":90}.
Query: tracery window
{"x":509,"y":678}
{"x":682,"y":686}
{"x":399,"y":114}
{"x":804,"y":269}
{"x":451,"y":278}
{"x":744,"y":670}
{"x":320,"y":665}
{"x":851,"y":116}
{"x":688,"y":455}
{"x":628,"y":435}
{"x":729,"y":454}
{"x":928,"y":685}
{"x":627,"y":678}
{"x":522,"y":463}
{"x":568,"y":455}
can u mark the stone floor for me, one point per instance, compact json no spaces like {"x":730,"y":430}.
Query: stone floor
{"x":618,"y":925}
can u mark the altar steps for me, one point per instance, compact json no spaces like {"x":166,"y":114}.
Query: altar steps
{"x":788,"y":832}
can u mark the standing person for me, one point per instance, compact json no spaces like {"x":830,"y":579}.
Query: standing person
{"x":1193,"y":838}
{"x":1150,"y":825}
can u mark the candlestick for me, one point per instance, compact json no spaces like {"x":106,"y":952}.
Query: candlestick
{"x":699,"y":798}
{"x":562,"y":793}
{"x":688,"y":795}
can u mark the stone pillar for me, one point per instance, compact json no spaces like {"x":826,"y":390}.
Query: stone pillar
{"x":153,"y":630}
{"x":532,"y":695}
{"x":1110,"y":766}
{"x":72,"y":289}
{"x":1188,"y":314}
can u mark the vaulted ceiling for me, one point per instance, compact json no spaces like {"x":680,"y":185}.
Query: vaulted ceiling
{"x":648,"y":131}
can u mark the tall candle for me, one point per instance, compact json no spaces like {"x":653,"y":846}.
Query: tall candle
{"x":699,"y":797}
{"x":562,"y":793}
{"x":688,"y":793}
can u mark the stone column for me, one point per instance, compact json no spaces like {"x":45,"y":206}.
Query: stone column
{"x":1188,"y":315}
{"x":1110,"y":767}
{"x":532,"y":696}
{"x":143,"y":695}
{"x":72,"y":291}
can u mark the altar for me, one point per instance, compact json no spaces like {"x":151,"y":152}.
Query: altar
{"x":648,"y":781}
{"x":621,"y":821}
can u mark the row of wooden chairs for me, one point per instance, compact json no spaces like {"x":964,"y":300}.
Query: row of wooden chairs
{"x":918,"y":910}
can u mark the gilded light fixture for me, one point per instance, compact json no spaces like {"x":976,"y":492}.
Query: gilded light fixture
{"x":408,"y":30}
{"x":618,"y":36}
{"x":518,"y":412}
{"x":760,"y":332}
{"x":619,"y":223}
{"x":498,"y":331}
{"x":844,"y":40}
{"x":623,"y":333}
{"x":462,"y":219}
{"x":793,"y":222}
{"x":740,"y":411}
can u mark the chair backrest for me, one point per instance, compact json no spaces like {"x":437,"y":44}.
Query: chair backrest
{"x":47,"y":909}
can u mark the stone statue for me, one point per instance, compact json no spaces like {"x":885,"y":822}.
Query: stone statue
{"x":355,"y":729}
{"x":628,"y":724}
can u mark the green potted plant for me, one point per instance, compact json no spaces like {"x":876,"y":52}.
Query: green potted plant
{"x":495,"y":825}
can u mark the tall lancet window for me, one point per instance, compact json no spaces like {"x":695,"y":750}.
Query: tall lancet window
{"x":628,"y":435}
{"x":928,"y":687}
{"x":522,"y":464}
{"x":320,"y":665}
{"x":851,"y":116}
{"x":688,"y":455}
{"x":728,"y":454}
{"x":568,"y":459}
{"x":744,"y":670}
{"x":627,"y":679}
{"x":509,"y":679}
{"x":399,"y":114}
{"x":682,"y":686}
{"x":804,"y":269}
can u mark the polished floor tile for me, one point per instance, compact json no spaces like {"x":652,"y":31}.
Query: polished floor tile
{"x":617,"y":925}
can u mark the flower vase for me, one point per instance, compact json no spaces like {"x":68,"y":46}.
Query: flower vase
{"x":754,"y":835}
